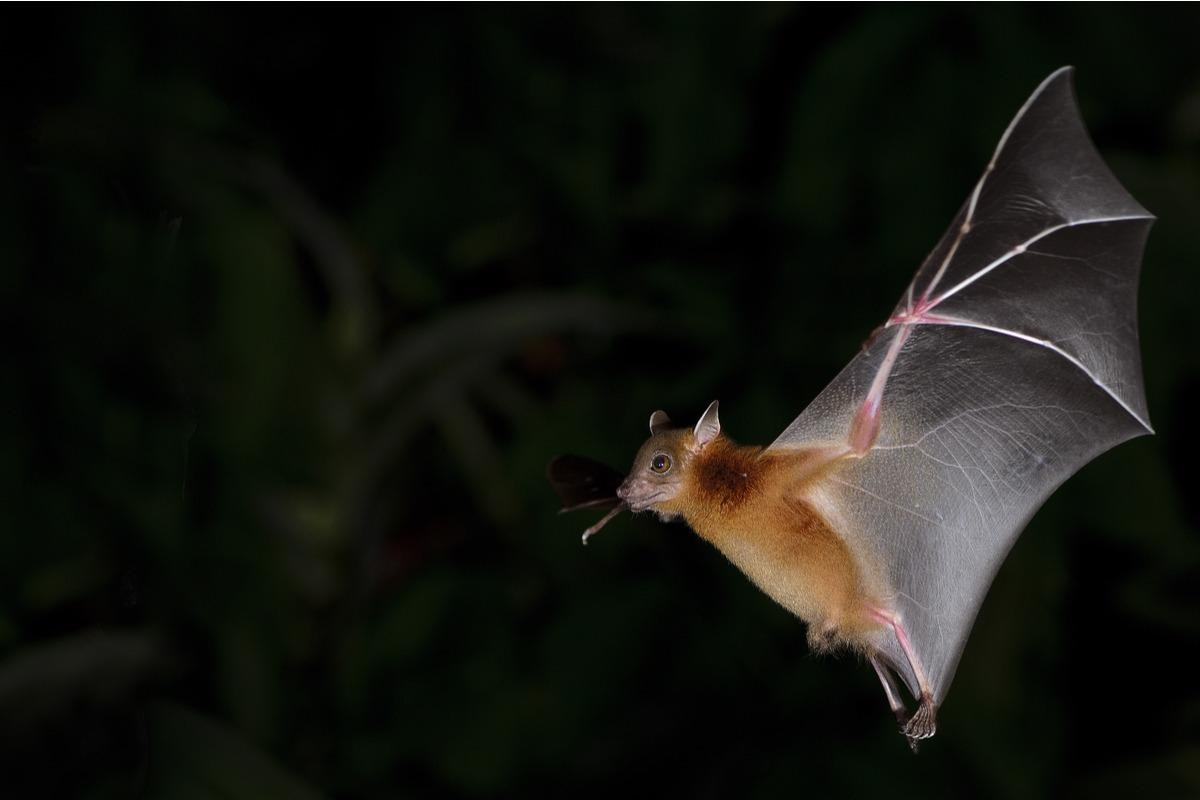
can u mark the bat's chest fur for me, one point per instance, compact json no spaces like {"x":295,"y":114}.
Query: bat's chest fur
{"x":758,"y":520}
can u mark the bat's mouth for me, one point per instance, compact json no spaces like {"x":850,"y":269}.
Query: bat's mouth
{"x":643,"y":504}
{"x":639,"y":497}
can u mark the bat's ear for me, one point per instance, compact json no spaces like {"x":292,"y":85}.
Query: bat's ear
{"x":659,"y":421}
{"x":709,"y":426}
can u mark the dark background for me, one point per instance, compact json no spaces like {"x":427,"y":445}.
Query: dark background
{"x":298,"y":305}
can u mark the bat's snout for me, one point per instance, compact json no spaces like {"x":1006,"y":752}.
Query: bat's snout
{"x":640,"y":494}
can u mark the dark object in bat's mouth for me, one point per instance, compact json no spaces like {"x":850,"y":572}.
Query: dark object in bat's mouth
{"x":582,"y":483}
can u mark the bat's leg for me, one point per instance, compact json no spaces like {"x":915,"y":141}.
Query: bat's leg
{"x":864,"y":430}
{"x":923,"y":723}
{"x":890,"y":689}
{"x":893,"y":698}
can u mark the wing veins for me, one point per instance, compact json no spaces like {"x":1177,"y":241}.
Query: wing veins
{"x":969,"y":218}
{"x":886,"y":501}
{"x":1022,"y":248}
{"x":956,"y":322}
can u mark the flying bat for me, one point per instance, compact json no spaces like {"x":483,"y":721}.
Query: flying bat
{"x":880,"y":516}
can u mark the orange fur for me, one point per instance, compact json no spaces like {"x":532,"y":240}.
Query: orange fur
{"x":751,"y":505}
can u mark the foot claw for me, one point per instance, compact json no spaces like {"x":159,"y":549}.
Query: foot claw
{"x":922,"y":724}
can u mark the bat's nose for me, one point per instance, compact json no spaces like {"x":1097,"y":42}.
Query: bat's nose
{"x":623,"y":490}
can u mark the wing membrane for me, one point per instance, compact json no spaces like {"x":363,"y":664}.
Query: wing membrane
{"x":1009,"y":363}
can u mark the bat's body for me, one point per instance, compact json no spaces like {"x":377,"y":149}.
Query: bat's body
{"x":882,"y":513}
{"x":754,"y":508}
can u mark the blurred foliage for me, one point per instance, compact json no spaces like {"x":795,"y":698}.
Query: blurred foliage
{"x":298,"y":308}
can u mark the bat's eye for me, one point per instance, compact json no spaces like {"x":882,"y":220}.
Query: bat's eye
{"x":661,"y":463}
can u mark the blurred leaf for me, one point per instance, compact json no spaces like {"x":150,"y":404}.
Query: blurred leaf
{"x":494,"y":326}
{"x":193,"y":756}
{"x":1174,"y":774}
{"x":41,"y":682}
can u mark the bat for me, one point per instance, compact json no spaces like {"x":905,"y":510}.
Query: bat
{"x":881,"y":514}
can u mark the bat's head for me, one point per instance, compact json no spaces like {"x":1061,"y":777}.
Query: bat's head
{"x":660,"y":469}
{"x":658,"y":481}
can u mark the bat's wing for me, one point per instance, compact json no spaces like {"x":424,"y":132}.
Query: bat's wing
{"x":1010,"y":362}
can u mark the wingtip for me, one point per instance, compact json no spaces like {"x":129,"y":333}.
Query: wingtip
{"x":1142,"y":420}
{"x":1064,"y":73}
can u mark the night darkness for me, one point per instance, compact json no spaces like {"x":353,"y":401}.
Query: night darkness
{"x":299,"y":304}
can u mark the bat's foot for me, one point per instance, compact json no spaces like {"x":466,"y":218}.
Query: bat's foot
{"x":902,"y":718}
{"x":922,"y":724}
